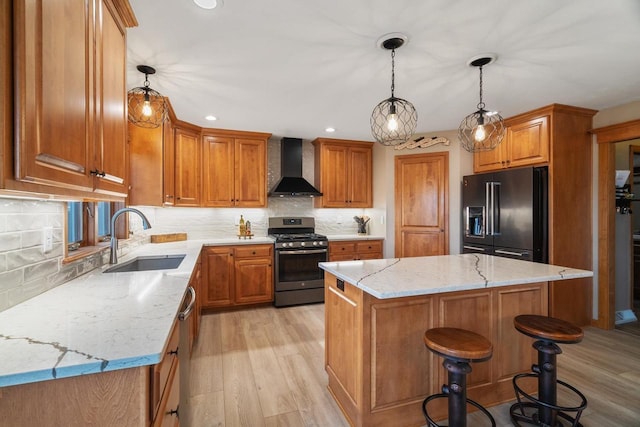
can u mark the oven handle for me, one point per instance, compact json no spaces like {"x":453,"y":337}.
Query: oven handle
{"x":302,"y":252}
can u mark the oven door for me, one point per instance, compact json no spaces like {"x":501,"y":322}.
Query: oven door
{"x":298,"y":269}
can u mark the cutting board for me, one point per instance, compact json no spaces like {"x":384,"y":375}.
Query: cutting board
{"x":171,"y":237}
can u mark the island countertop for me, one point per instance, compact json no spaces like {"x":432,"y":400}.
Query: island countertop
{"x":402,"y":277}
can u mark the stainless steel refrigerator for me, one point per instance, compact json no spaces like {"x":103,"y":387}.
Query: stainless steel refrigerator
{"x":505,"y":213}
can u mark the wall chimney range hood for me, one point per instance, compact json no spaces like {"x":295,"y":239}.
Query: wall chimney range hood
{"x":292,"y":184}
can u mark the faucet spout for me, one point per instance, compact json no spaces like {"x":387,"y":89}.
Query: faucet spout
{"x":113,"y":258}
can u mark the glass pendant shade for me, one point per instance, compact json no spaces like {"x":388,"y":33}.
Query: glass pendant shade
{"x":147,"y":108}
{"x":393,"y":120}
{"x":481,"y":130}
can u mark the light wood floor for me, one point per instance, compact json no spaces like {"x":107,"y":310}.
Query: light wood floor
{"x":265,"y":367}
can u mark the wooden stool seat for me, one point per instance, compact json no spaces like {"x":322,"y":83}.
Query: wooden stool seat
{"x":548,"y":328}
{"x":458,"y":344}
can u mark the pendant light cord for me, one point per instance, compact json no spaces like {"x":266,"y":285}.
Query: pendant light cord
{"x":480,"y":104}
{"x":393,"y":71}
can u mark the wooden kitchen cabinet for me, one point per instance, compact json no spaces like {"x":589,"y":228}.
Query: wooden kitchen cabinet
{"x":343,"y":173}
{"x":558,"y":136}
{"x":152,"y":161}
{"x":72,"y":78}
{"x":526,"y":143}
{"x":187,"y":178}
{"x":355,"y":250}
{"x":234,"y":169}
{"x":237,"y":275}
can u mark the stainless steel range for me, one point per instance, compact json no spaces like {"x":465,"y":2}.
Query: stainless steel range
{"x":298,"y":279}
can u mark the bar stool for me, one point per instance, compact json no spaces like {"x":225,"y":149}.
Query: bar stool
{"x":544,"y":410}
{"x":459,"y":347}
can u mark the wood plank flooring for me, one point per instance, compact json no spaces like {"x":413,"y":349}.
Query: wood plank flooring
{"x":265,"y":367}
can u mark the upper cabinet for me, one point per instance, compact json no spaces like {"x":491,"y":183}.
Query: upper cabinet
{"x":526,"y":143}
{"x":343,"y":173}
{"x":234,"y":169}
{"x":187,"y":180}
{"x":70,"y":106}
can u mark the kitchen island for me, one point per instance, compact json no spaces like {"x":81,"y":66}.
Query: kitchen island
{"x":377,"y":311}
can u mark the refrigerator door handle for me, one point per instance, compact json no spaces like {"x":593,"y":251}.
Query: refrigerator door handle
{"x":503,"y":252}
{"x":495,"y":208}
{"x":488,"y":193}
{"x":474,"y":248}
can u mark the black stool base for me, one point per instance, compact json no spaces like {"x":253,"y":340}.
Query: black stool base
{"x":432,"y":423}
{"x":519,"y":414}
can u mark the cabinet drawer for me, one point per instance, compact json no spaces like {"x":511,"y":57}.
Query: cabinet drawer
{"x":162,"y":370}
{"x":342,"y":247}
{"x":369,"y":246}
{"x":168,"y":412}
{"x":253,"y":251}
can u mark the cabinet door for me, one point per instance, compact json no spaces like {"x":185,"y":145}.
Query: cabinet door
{"x":217,"y":277}
{"x":110,"y":144}
{"x":528,"y":142}
{"x":334,"y":176}
{"x":250,"y":173}
{"x":169,"y":164}
{"x":492,"y":159}
{"x":253,"y":280}
{"x":217,"y":160}
{"x":145,"y":160}
{"x":54,"y":87}
{"x":187,"y":167}
{"x":360,"y":177}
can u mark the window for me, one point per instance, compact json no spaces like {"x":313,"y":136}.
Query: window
{"x":89,"y":223}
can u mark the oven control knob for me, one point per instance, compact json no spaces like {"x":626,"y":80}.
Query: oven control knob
{"x":303,"y":243}
{"x":315,"y":243}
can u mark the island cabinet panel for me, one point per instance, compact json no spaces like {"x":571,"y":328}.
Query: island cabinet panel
{"x":379,"y":368}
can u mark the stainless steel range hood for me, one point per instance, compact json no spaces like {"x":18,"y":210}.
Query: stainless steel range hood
{"x":292,"y":184}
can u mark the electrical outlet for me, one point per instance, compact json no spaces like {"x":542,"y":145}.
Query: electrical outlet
{"x":382,"y":220}
{"x":47,"y":239}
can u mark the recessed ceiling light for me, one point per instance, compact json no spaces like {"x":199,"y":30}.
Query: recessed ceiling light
{"x":329,"y":130}
{"x":211,"y":118}
{"x":209,"y":4}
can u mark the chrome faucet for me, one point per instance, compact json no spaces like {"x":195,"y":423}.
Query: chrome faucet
{"x":113,"y":259}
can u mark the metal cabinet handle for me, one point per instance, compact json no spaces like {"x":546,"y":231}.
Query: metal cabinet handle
{"x":187,"y":311}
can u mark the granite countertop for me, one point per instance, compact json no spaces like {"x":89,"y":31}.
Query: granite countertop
{"x":99,"y":322}
{"x":401,"y":277}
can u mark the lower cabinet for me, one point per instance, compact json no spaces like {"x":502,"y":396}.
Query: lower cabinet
{"x":165,"y":385}
{"x":236,"y":275}
{"x":355,"y":250}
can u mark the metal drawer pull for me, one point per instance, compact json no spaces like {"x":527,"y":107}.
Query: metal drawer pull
{"x":187,"y":311}
{"x":503,"y":252}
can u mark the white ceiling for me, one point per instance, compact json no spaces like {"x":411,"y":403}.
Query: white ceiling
{"x":295,"y":67}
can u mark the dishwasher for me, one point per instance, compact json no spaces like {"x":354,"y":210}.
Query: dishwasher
{"x":184,"y":358}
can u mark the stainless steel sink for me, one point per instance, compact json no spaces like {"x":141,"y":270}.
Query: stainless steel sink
{"x":145,"y":263}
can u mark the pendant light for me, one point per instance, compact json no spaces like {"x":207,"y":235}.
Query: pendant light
{"x":393,"y":120}
{"x":147,"y":108}
{"x":482,"y":130}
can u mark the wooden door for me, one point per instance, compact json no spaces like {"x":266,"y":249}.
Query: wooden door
{"x":217,"y":277}
{"x":54,"y":91}
{"x":250,"y":173}
{"x":422,"y":205}
{"x":529,"y":142}
{"x":334,"y":175}
{"x":218,"y":174}
{"x":187,"y":167}
{"x":110,"y":156}
{"x":360,"y":177}
{"x":253,"y":280}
